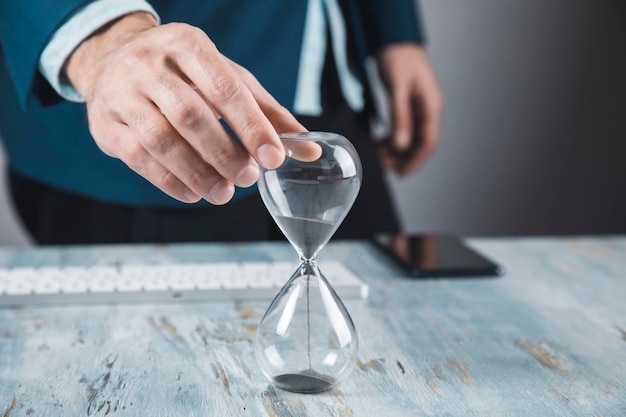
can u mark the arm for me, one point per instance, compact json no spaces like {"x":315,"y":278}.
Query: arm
{"x":416,"y":107}
{"x":389,"y":22}
{"x":25,"y":27}
{"x":396,"y":41}
{"x":155,"y":94}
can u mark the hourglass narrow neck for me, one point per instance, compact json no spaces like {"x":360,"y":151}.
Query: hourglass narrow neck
{"x":306,"y":256}
{"x":308,"y":261}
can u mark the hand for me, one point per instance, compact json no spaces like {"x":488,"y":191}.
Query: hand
{"x":416,"y":106}
{"x":154,"y":98}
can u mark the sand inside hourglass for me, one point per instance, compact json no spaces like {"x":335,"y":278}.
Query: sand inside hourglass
{"x":306,"y":381}
{"x":307,"y":235}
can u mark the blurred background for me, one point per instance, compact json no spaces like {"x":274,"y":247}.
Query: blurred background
{"x":533,"y":139}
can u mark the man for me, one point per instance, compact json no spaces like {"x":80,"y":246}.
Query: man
{"x":166,"y":100}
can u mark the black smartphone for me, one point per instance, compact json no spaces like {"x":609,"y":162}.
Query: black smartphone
{"x":429,"y":255}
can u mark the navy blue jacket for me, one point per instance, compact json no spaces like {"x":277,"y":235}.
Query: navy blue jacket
{"x":47,"y":139}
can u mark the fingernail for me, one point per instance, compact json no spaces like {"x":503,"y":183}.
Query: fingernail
{"x":221,"y":193}
{"x":270,"y":156}
{"x":248,"y":176}
{"x":402,"y":139}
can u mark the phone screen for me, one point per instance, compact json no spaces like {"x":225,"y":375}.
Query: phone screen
{"x":436,"y":256}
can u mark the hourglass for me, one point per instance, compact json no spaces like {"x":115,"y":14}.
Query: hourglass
{"x":306,"y":341}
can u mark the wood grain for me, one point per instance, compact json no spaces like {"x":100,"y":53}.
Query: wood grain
{"x":547,"y":339}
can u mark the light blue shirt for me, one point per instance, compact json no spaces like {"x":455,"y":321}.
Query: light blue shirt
{"x":308,"y":87}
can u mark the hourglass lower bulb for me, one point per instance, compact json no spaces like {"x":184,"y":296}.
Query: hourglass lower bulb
{"x":306,"y":341}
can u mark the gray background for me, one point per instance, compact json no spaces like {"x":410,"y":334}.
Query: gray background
{"x":534,"y":131}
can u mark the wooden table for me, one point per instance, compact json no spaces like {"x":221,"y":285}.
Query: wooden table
{"x":547,"y":339}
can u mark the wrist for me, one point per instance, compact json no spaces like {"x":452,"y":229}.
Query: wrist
{"x":84,"y":64}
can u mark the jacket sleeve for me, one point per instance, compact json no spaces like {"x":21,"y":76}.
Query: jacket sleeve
{"x":25,"y":27}
{"x":391,"y":21}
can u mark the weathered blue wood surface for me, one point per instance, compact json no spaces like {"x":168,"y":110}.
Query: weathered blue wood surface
{"x":548,"y":339}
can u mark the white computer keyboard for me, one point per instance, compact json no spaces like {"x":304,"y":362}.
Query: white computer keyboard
{"x":163,"y":282}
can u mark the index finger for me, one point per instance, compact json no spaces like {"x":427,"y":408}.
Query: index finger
{"x":218,"y":82}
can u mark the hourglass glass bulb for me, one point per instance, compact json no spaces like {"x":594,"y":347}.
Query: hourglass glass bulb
{"x":306,"y":341}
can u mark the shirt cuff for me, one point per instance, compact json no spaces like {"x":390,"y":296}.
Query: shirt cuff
{"x":82,"y":23}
